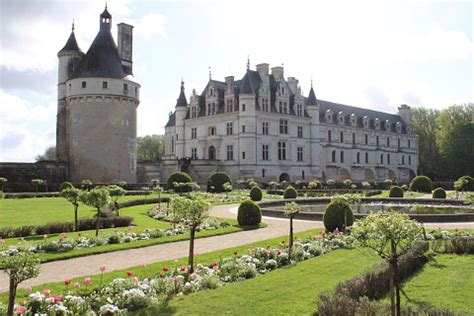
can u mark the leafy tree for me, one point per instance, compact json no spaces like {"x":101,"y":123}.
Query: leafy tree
{"x":3,"y":180}
{"x":388,"y":234}
{"x":115,"y":192}
{"x":291,"y":209}
{"x":19,"y":266}
{"x":97,"y":198}
{"x":150,"y":147}
{"x":192,"y":211}
{"x":72,"y":195}
{"x":86,"y":184}
{"x":37,"y":183}
{"x":49,"y":154}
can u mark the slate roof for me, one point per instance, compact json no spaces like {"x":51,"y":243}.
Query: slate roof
{"x":171,"y":120}
{"x":182,"y":97}
{"x":71,"y":44}
{"x":311,"y":97}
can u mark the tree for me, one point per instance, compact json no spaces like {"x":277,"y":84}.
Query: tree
{"x":3,"y":180}
{"x":49,"y":154}
{"x":86,"y":184}
{"x":115,"y":192}
{"x":192,"y":211}
{"x":20,"y":265}
{"x":388,"y":234}
{"x":37,"y":183}
{"x":150,"y":147}
{"x":97,"y":198}
{"x":291,"y":209}
{"x":72,"y":195}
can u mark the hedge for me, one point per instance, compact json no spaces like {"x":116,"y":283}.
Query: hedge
{"x":395,"y":192}
{"x":421,"y":184}
{"x":337,"y":216}
{"x":439,"y":193}
{"x":256,"y":194}
{"x":216,"y":182}
{"x":290,"y":193}
{"x":179,"y":177}
{"x":249,"y":213}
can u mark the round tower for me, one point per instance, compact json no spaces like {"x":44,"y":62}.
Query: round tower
{"x":181,"y":112}
{"x":102,"y":100}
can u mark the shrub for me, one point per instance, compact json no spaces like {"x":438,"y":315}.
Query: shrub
{"x":290,"y":193}
{"x":249,"y":214}
{"x":439,"y":193}
{"x":65,"y":185}
{"x":337,"y":215}
{"x":216,"y":181}
{"x":315,"y":185}
{"x":468,"y":184}
{"x":255,"y":194}
{"x":179,"y":177}
{"x":421,"y":184}
{"x":396,"y":192}
{"x":54,"y":228}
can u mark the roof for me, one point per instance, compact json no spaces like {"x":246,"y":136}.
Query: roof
{"x":171,"y":120}
{"x":106,"y":14}
{"x":182,"y":97}
{"x":102,"y":59}
{"x":312,"y":97}
{"x":71,"y":44}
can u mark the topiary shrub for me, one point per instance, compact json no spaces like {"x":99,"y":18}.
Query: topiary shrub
{"x":256,"y":194}
{"x":395,"y":192}
{"x":216,"y":181}
{"x":290,"y":193}
{"x":337,"y":215}
{"x":469,"y":183}
{"x":179,"y":177}
{"x":65,"y":185}
{"x":315,"y":185}
{"x":249,"y":214}
{"x":439,"y":193}
{"x":421,"y":184}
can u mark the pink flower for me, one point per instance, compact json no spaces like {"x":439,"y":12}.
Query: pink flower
{"x":49,"y":300}
{"x":102,"y":268}
{"x":287,"y":246}
{"x":215,"y":264}
{"x":57,"y":299}
{"x":20,"y":309}
{"x":77,"y":285}
{"x":182,"y":269}
{"x":47,"y":292}
{"x":67,"y":282}
{"x":130,"y":273}
{"x":87,"y":281}
{"x":166,"y":269}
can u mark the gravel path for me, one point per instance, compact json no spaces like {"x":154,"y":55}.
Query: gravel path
{"x":85,"y":266}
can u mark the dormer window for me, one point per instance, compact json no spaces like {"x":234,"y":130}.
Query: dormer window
{"x":353,"y":119}
{"x":328,"y":116}
{"x":387,"y":125}
{"x":193,"y":112}
{"x":399,"y":127}
{"x":366,"y":121}
{"x":377,"y":123}
{"x":340,"y":117}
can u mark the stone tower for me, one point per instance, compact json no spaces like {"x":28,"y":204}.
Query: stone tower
{"x":97,"y":107}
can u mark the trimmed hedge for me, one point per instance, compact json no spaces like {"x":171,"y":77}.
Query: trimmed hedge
{"x":421,"y":184}
{"x":470,"y":183}
{"x":179,"y":177}
{"x":290,"y":193}
{"x":337,"y":215}
{"x":249,"y":214}
{"x":395,"y":192}
{"x":217,"y":181}
{"x":439,"y":193}
{"x":256,"y":194}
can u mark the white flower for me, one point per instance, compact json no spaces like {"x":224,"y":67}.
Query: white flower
{"x":109,"y":309}
{"x":37,"y":297}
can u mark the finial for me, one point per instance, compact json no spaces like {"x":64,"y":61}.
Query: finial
{"x":105,"y":5}
{"x":72,"y":28}
{"x":248,"y":62}
{"x":311,"y":81}
{"x":182,"y":84}
{"x":210,"y":73}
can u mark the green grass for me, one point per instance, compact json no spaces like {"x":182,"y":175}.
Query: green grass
{"x":409,"y":195}
{"x":446,"y":282}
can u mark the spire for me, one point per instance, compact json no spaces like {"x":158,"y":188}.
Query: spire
{"x":72,"y":28}
{"x":71,"y":44}
{"x":312,"y":96}
{"x":182,"y":102}
{"x":210,"y":73}
{"x":248,"y":62}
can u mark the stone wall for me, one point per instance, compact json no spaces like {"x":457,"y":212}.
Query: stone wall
{"x":19,"y":175}
{"x":147,"y":171}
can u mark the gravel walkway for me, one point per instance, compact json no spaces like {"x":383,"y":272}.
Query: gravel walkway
{"x":85,"y":266}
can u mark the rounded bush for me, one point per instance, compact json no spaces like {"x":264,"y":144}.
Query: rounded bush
{"x":65,"y":185}
{"x":290,"y":193}
{"x":315,"y":185}
{"x":469,"y":186}
{"x":439,"y":193}
{"x":255,"y":194}
{"x":421,"y":184}
{"x":249,"y":213}
{"x":396,"y":192}
{"x":337,"y":215}
{"x":179,"y":177}
{"x":217,"y":181}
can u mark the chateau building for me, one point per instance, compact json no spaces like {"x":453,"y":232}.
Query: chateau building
{"x":97,"y":107}
{"x":262,"y":127}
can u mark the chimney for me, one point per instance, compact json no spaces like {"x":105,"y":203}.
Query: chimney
{"x":229,"y":81}
{"x":277,"y":72}
{"x":125,"y":46}
{"x":293,"y":83}
{"x":262,"y":69}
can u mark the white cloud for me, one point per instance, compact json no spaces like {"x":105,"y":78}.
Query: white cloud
{"x":150,"y":25}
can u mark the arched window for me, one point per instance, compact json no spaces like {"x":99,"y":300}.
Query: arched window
{"x":403,"y":160}
{"x":381,"y":158}
{"x":212,"y":153}
{"x":333,"y":156}
{"x":329,"y":136}
{"x":342,"y":156}
{"x":358,"y":157}
{"x":366,"y":157}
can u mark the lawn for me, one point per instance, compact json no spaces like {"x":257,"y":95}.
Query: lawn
{"x":408,"y":194}
{"x":446,"y":282}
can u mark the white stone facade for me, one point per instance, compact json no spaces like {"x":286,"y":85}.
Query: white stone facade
{"x":262,"y":127}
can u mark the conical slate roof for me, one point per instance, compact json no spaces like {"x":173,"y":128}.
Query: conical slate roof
{"x":312,"y":97}
{"x":102,"y":59}
{"x":246,"y":86}
{"x":71,"y":44}
{"x":182,"y":97}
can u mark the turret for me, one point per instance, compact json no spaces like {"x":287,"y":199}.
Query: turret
{"x":181,"y":111}
{"x":312,"y":108}
{"x":105,"y":20}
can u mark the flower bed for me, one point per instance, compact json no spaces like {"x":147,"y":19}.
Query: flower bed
{"x":131,"y":293}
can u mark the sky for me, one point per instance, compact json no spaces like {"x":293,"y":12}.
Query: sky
{"x":372,"y":54}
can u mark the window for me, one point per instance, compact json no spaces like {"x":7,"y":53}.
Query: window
{"x":341,"y":137}
{"x":263,"y":173}
{"x":265,"y":152}
{"x":193,"y":133}
{"x":70,"y":68}
{"x":193,"y":112}
{"x":403,"y":159}
{"x":388,"y":141}
{"x":230,"y":128}
{"x":342,"y":156}
{"x":281,"y":151}
{"x":409,"y":144}
{"x":105,"y":85}
{"x":211,"y":108}
{"x":353,"y":138}
{"x":283,"y":107}
{"x":280,"y":107}
{"x":230,"y":152}
{"x":409,"y":160}
{"x":172,"y":144}
{"x":366,"y":157}
{"x":388,"y":158}
{"x":265,"y":128}
{"x":302,"y":174}
{"x":84,"y":84}
{"x":333,"y":156}
{"x":136,"y":91}
{"x":300,"y":131}
{"x":329,"y":136}
{"x":125,"y":88}
{"x":381,"y":158}
{"x":398,"y":143}
{"x":212,"y":130}
{"x":243,"y":107}
{"x":299,"y":110}
{"x":230,"y":105}
{"x":243,"y":155}
{"x":283,"y":127}
{"x":366,"y":139}
{"x":243,"y":128}
{"x":193,"y":153}
{"x":299,"y":154}
{"x":358,"y":158}
{"x":377,"y":140}
{"x":265,"y":107}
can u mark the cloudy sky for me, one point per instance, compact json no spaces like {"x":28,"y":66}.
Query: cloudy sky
{"x":369,"y":54}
